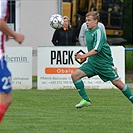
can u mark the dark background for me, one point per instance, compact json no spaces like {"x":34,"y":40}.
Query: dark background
{"x":127,"y":21}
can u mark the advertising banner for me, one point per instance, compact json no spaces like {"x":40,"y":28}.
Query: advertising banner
{"x":19,"y":60}
{"x":56,"y":64}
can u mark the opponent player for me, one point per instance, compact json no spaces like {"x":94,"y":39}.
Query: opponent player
{"x":5,"y":75}
{"x":100,"y":61}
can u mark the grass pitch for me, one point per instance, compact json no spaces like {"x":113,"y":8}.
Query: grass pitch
{"x":53,"y":111}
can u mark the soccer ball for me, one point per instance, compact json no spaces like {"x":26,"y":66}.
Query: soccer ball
{"x":56,"y":21}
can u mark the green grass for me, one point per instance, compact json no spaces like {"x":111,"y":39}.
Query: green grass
{"x":53,"y":111}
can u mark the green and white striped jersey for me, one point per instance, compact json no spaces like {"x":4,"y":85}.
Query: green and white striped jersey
{"x":96,"y":40}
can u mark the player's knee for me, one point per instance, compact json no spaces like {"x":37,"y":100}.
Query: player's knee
{"x":74,"y":76}
{"x":119,"y":84}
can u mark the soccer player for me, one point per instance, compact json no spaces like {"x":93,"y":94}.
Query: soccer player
{"x":5,"y":75}
{"x":100,"y":61}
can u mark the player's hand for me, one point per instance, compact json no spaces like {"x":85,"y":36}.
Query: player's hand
{"x":19,"y":37}
{"x":79,"y":56}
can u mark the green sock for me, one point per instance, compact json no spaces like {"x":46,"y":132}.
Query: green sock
{"x":80,"y":88}
{"x":127,"y":92}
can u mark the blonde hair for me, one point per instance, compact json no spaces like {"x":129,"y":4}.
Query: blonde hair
{"x":65,"y":17}
{"x":95,"y":15}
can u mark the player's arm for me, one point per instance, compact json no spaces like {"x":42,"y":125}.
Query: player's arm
{"x":88,"y":54}
{"x":5,"y":29}
{"x":9,"y":32}
{"x":91,"y":53}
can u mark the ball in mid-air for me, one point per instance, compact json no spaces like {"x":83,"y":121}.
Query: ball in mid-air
{"x":56,"y":21}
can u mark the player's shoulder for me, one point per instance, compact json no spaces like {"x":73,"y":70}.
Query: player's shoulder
{"x":98,"y":30}
{"x":84,"y":25}
{"x":101,"y":25}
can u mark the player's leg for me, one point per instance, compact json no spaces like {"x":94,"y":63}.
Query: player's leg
{"x":5,"y":101}
{"x":124,"y":88}
{"x":85,"y":70}
{"x":76,"y":77}
{"x":5,"y":88}
{"x":110,"y":74}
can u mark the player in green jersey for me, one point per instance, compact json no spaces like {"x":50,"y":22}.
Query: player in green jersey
{"x":100,"y":61}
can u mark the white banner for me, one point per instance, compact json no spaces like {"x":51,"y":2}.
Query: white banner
{"x":55,"y":65}
{"x":19,"y":60}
